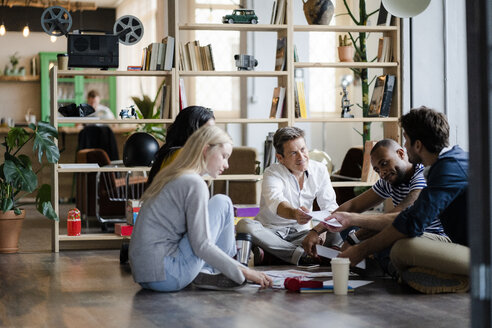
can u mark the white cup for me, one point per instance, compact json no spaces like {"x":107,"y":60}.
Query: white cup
{"x":340,"y":268}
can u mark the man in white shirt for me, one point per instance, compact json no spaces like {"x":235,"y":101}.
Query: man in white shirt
{"x":101,"y":111}
{"x":289,"y":189}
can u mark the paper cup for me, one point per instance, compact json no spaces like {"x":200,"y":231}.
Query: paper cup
{"x":340,"y":268}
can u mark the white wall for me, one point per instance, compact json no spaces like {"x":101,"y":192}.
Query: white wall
{"x":16,"y":98}
{"x":437,"y":74}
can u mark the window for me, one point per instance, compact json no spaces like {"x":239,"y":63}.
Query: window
{"x":219,"y":93}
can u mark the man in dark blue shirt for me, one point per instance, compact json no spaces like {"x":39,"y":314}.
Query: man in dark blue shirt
{"x":430,"y":266}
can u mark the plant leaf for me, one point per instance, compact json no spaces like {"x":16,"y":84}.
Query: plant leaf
{"x":16,"y":138}
{"x":43,"y":202}
{"x":43,"y":143}
{"x":22,"y":178}
{"x":7,"y":204}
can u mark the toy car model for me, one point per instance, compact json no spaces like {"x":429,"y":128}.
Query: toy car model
{"x":241,"y":16}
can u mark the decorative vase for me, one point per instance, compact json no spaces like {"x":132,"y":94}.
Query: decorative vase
{"x":346,"y":53}
{"x":10,"y":229}
{"x":318,"y":12}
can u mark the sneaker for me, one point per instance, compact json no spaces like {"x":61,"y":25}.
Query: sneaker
{"x":215,"y":282}
{"x":428,"y":281}
{"x":258,"y":255}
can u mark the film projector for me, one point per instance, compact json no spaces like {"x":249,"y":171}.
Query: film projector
{"x":92,"y":49}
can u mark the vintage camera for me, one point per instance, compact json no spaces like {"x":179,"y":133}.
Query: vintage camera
{"x":245,"y":62}
{"x":128,"y":112}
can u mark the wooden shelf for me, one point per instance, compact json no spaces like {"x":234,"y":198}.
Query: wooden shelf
{"x":346,"y":120}
{"x":347,"y":65}
{"x":26,"y":78}
{"x":251,"y":120}
{"x":88,"y":120}
{"x":233,"y":27}
{"x":95,"y":72}
{"x":351,"y":184}
{"x":234,"y":73}
{"x":341,"y":28}
{"x":91,"y":236}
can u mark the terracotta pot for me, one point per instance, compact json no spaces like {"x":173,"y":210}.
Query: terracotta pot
{"x":346,"y":53}
{"x":10,"y":229}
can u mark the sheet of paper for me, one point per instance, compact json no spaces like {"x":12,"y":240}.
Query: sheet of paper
{"x":352,"y":283}
{"x":333,"y":222}
{"x":320,"y":215}
{"x":331,"y":253}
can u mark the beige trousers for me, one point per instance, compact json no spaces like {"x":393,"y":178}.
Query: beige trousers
{"x":431,"y":251}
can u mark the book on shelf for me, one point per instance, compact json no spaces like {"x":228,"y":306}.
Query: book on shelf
{"x":274,"y":11}
{"x":280,"y":12}
{"x":161,"y":51}
{"x":278,"y":100}
{"x":281,"y":54}
{"x":382,"y":96}
{"x":154,"y":55}
{"x":368,"y":174}
{"x":389,"y":86}
{"x":301,"y":99}
{"x":297,"y":110}
{"x":165,"y":102}
{"x":384,"y":49}
{"x":168,"y":43}
{"x":377,"y":96}
{"x":273,"y":109}
{"x":384,"y":17}
{"x":183,"y":103}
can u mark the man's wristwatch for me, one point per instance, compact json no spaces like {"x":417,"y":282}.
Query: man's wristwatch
{"x":352,"y":238}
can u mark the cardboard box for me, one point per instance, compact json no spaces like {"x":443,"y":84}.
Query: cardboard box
{"x":132,"y":209}
{"x":122,"y":229}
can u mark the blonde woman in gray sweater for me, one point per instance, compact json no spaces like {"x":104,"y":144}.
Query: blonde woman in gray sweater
{"x":182,"y":236}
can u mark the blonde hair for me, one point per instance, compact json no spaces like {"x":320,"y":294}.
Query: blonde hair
{"x":190,"y":159}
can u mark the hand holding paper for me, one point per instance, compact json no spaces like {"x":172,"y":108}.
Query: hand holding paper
{"x":338,"y":221}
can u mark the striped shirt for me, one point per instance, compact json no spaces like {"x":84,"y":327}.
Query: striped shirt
{"x":397,"y":193}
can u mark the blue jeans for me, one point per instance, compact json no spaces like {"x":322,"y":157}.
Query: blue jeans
{"x":182,"y":269}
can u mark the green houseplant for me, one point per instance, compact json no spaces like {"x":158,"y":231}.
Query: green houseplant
{"x":18,"y":179}
{"x":146,"y":109}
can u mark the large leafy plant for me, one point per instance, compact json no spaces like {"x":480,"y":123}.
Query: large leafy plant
{"x":17,"y":176}
{"x":147,"y":110}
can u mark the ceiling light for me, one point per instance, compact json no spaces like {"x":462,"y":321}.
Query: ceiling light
{"x":2,"y":29}
{"x":25,"y":31}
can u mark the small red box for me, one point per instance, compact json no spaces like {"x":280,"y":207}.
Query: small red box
{"x":122,"y":229}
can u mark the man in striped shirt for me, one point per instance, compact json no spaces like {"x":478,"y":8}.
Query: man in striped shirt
{"x":399,"y":180}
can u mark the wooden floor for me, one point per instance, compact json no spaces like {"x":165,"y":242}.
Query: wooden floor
{"x":91,"y":289}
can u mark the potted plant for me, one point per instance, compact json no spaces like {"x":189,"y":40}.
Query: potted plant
{"x":345,"y":49}
{"x":146,"y":108}
{"x":18,"y":179}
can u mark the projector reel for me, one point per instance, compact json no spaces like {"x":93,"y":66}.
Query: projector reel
{"x":129,"y":29}
{"x":56,"y":21}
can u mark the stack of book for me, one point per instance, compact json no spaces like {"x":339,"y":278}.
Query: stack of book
{"x":245,"y":211}
{"x":193,"y":57}
{"x":158,"y":56}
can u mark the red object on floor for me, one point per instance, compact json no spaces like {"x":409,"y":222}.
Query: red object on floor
{"x":122,"y":229}
{"x":73,"y":222}
{"x":295,"y":284}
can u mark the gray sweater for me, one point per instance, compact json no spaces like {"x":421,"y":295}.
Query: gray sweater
{"x":181,"y":207}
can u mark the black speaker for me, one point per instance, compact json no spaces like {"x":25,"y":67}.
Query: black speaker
{"x":92,"y":50}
